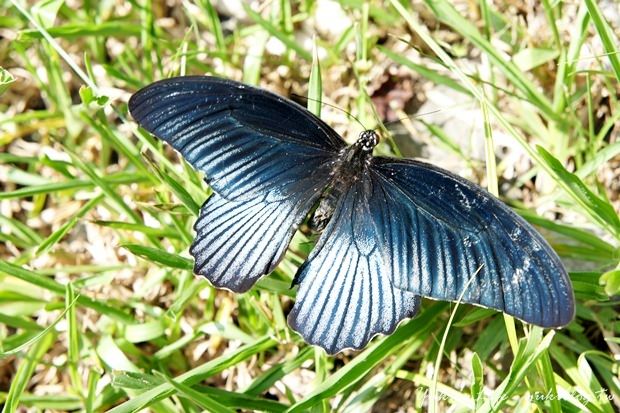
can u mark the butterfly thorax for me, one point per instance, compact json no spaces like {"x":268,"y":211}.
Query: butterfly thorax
{"x":350,"y":165}
{"x":354,"y":159}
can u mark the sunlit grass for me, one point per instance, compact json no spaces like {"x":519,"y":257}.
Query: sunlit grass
{"x":99,"y":308}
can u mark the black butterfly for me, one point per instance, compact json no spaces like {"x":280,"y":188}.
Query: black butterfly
{"x":396,"y":229}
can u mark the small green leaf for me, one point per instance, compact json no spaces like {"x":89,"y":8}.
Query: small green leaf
{"x":135,"y":380}
{"x":6,"y":79}
{"x":599,"y":209}
{"x":477,"y":384}
{"x":86,"y":94}
{"x":88,"y":97}
{"x":611,"y":281}
{"x":45,"y":11}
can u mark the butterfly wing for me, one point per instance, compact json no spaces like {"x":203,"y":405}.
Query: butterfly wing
{"x":440,"y":229}
{"x":246,"y":140}
{"x":266,"y":158}
{"x":346,"y":295}
{"x":237,"y":242}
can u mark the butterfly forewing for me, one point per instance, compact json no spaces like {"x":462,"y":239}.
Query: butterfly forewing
{"x":247,"y":141}
{"x":266,"y":158}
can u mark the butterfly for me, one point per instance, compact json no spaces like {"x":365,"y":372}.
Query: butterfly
{"x":391,"y":230}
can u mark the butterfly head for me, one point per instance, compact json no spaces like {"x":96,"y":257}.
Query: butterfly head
{"x":368,"y":140}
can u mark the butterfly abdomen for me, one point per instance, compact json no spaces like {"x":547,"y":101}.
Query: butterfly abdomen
{"x":323,"y":213}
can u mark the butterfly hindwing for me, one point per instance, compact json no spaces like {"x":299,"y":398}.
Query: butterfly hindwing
{"x":247,"y":141}
{"x":345,"y":294}
{"x":237,"y":242}
{"x":440,"y":229}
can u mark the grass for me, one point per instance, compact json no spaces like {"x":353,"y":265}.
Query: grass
{"x":99,"y":309}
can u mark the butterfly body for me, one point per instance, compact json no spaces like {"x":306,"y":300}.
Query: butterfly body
{"x":325,"y":209}
{"x":392,"y":230}
{"x":352,"y":162}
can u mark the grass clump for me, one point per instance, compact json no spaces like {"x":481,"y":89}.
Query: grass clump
{"x":99,"y":309}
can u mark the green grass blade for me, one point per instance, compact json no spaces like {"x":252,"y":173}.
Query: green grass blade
{"x":424,"y":71}
{"x":6,"y":79}
{"x":568,"y":186}
{"x":355,"y":370}
{"x":40,"y":335}
{"x":144,"y":229}
{"x":81,"y":30}
{"x":146,"y":331}
{"x":194,"y":376}
{"x":160,"y":256}
{"x":606,"y":34}
{"x":83,"y":76}
{"x":529,"y":352}
{"x":25,"y":370}
{"x":315,"y":85}
{"x":267,"y":379}
{"x":73,"y":342}
{"x":176,"y":188}
{"x":596,"y":207}
{"x":55,"y":287}
{"x":208,"y":403}
{"x":216,"y":25}
{"x":274,"y":31}
{"x":110,"y":181}
{"x":57,"y":235}
{"x":447,"y":14}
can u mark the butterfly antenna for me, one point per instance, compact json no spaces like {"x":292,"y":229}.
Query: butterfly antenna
{"x":416,"y":115}
{"x":331,"y":106}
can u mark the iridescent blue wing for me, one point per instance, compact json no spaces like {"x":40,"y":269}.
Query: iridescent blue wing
{"x":266,"y":158}
{"x":346,"y":295}
{"x":237,"y":242}
{"x":439,"y":229}
{"x":246,"y":140}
